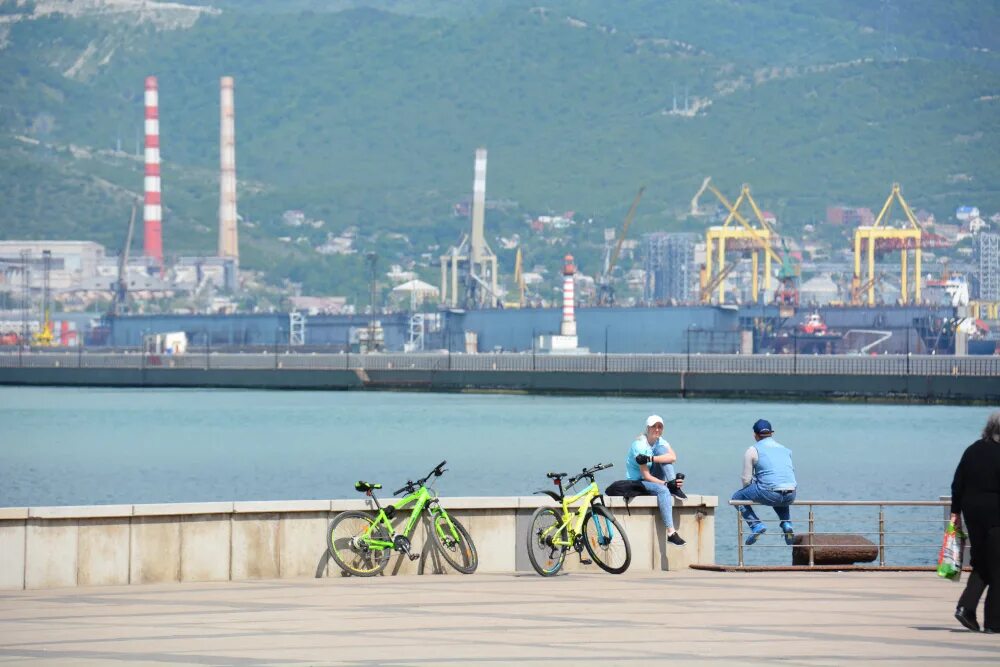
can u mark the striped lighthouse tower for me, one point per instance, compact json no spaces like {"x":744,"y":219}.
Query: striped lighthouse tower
{"x":568,"y":326}
{"x":152,"y":211}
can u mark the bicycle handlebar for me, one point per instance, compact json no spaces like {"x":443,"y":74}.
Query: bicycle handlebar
{"x":589,"y":472}
{"x":438,"y":470}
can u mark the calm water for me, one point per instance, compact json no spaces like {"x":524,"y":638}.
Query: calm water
{"x":65,"y":446}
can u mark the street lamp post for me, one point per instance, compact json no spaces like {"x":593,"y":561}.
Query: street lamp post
{"x":277,"y":334}
{"x":795,"y":353}
{"x":532,"y":350}
{"x":606,"y":347}
{"x":907,"y":350}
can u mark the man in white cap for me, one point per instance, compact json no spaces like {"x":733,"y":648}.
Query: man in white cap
{"x":651,"y":452}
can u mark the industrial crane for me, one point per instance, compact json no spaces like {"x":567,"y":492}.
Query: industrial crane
{"x":119,"y":297}
{"x":45,"y":337}
{"x":605,"y":290}
{"x":518,"y":283}
{"x":858,"y":288}
{"x":714,"y":281}
{"x":787,"y":293}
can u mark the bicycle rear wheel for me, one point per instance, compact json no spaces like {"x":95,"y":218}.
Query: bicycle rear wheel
{"x":460,"y":551}
{"x":350,"y":548}
{"x":546,"y":557}
{"x":606,"y":540}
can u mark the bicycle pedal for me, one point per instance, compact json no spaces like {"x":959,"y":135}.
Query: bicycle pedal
{"x":413,"y":556}
{"x":586,"y":561}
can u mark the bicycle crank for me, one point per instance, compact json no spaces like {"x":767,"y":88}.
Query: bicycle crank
{"x":401,"y":543}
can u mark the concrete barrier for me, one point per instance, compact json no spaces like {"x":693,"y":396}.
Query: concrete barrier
{"x":50,"y":547}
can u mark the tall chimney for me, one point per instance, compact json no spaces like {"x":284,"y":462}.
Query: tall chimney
{"x":478,"y":207}
{"x":152,"y":211}
{"x":228,"y":240}
{"x":568,"y":326}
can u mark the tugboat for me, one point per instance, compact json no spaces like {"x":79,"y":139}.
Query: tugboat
{"x":813,"y":326}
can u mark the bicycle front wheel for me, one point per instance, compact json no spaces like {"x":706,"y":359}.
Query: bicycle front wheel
{"x":547,"y":558}
{"x":606,"y":540}
{"x":349,"y":541}
{"x":456,"y":547}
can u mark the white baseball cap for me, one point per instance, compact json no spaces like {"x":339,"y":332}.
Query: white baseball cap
{"x":653,"y":419}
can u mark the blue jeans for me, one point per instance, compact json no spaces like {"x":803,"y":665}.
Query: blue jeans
{"x":754,"y":492}
{"x":664,"y":500}
{"x":664,"y":471}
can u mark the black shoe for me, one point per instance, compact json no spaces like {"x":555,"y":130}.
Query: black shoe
{"x":672,"y":485}
{"x":967,"y":618}
{"x":675,"y":538}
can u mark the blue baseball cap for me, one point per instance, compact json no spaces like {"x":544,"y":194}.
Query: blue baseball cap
{"x":762,"y":426}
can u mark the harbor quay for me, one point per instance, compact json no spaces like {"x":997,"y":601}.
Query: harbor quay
{"x":886,"y":378}
{"x":676,"y":617}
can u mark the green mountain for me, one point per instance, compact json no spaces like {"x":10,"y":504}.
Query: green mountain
{"x":367,"y":114}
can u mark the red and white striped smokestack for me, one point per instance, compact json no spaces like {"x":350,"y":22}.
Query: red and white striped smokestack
{"x":568,"y":326}
{"x":152,"y":211}
{"x":228,"y":239}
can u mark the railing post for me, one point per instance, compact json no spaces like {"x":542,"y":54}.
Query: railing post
{"x":812,"y":537}
{"x":881,"y":535}
{"x":739,"y":536}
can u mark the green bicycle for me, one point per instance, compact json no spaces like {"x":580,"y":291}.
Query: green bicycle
{"x":592,"y":526}
{"x":362,"y":542}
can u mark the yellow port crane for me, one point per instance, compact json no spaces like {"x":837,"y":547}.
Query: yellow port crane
{"x":709,"y":284}
{"x":44,"y":337}
{"x":743,"y":237}
{"x":518,"y":282}
{"x":901,"y":239}
{"x":605,"y":290}
{"x":119,"y":296}
{"x":858,"y":288}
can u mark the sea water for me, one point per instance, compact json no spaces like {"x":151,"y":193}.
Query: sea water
{"x":81,"y":446}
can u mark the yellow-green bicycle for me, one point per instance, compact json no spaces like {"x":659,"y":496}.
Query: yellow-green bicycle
{"x":362,"y":542}
{"x":592,"y":527}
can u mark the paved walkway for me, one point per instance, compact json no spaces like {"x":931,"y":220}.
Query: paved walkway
{"x":598,"y":619}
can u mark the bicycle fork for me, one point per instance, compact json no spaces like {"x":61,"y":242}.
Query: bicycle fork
{"x":605,"y":529}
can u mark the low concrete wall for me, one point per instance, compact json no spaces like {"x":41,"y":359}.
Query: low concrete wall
{"x":48,"y":547}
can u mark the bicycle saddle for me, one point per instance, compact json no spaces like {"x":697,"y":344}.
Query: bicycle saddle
{"x":364,"y":487}
{"x":555,"y":475}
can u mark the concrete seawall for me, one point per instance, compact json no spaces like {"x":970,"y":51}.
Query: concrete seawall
{"x":898,"y":387}
{"x":105,"y":545}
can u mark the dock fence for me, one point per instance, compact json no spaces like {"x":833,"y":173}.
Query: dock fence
{"x":900,"y":365}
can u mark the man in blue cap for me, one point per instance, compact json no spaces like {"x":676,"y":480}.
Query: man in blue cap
{"x":768,"y":479}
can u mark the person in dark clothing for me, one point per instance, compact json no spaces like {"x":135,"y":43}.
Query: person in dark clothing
{"x":975,"y":495}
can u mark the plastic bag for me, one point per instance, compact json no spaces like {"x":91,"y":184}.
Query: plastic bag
{"x":950,"y":557}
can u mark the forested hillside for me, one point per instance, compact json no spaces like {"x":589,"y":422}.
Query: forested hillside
{"x":367,"y":114}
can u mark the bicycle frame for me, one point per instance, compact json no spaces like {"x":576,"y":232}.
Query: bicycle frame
{"x":422,"y":499}
{"x":575,"y":528}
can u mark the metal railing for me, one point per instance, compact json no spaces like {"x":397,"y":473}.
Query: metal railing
{"x":885,"y":536}
{"x":902,"y":365}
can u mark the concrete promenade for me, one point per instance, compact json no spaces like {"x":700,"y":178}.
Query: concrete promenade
{"x":683,"y":617}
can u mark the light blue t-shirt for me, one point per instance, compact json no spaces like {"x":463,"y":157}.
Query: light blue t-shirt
{"x":640,"y":446}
